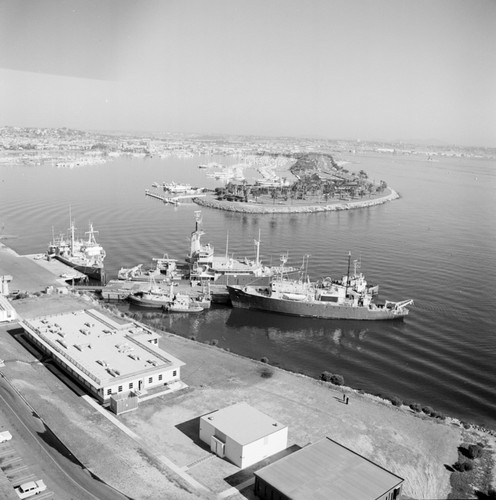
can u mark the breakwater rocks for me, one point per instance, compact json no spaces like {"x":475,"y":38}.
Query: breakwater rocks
{"x":253,"y":208}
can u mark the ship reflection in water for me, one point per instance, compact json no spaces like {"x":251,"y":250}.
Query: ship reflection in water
{"x":289,"y":329}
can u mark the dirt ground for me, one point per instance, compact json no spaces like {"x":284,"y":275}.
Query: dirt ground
{"x":412,"y":446}
{"x":416,"y":447}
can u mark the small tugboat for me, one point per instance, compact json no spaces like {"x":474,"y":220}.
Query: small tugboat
{"x":86,"y":256}
{"x":153,"y":298}
{"x":349,"y":298}
{"x":184,"y":303}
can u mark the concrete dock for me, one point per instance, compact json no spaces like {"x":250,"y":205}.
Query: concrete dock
{"x":33,"y":273}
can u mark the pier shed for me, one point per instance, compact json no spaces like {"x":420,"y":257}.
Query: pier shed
{"x":324,"y":470}
{"x":243,"y":434}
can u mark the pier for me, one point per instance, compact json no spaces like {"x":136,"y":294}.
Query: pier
{"x":172,"y":200}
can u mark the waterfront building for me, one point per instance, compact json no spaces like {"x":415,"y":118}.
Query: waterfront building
{"x":324,"y":470}
{"x":108,"y":356}
{"x":242,"y":434}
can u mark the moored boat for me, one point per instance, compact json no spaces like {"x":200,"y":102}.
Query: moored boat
{"x":184,"y":303}
{"x":153,"y":298}
{"x":84,"y":255}
{"x":349,"y":298}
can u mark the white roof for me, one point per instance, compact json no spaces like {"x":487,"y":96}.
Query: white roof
{"x":243,"y":423}
{"x":104,"y":349}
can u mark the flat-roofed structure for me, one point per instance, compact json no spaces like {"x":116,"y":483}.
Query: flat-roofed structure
{"x":106,"y":355}
{"x":243,"y":434}
{"x":326,"y":470}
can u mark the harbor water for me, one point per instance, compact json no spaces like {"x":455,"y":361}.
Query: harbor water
{"x":436,"y":245}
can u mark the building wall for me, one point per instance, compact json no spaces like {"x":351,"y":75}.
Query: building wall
{"x":148,"y":381}
{"x":206,"y":430}
{"x":265,"y":447}
{"x":7,"y":312}
{"x":265,"y":491}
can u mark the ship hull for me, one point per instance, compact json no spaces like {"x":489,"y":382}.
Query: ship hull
{"x":149,"y":304}
{"x":93,"y":272}
{"x":324,"y":310}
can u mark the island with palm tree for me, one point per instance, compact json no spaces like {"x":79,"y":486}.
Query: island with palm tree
{"x":314,"y":182}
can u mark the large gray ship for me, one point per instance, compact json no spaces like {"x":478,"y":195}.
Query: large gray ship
{"x":349,"y":298}
{"x":84,"y":255}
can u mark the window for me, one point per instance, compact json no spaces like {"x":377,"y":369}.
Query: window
{"x":150,"y":380}
{"x":120,"y":388}
{"x":160,"y":377}
{"x":109,"y":392}
{"x":130,"y":385}
{"x":174,"y":373}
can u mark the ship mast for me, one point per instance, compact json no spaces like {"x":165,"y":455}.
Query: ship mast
{"x":257,"y":246}
{"x":348,"y":274}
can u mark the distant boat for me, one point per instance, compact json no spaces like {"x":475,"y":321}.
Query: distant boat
{"x":349,"y":298}
{"x":84,"y":255}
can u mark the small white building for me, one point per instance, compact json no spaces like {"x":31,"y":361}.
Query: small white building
{"x":7,"y":312}
{"x":242,"y":434}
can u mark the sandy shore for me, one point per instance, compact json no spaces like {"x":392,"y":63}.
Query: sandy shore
{"x":295,"y":207}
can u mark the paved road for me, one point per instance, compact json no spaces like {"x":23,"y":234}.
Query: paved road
{"x":45,"y":455}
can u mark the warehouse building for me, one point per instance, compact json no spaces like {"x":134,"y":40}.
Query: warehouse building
{"x":108,"y":356}
{"x":242,"y":434}
{"x":326,"y":470}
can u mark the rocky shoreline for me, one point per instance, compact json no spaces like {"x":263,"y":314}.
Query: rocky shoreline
{"x":254,"y":208}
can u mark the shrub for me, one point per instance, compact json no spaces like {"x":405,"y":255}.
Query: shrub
{"x":416,"y":407}
{"x":337,"y":379}
{"x":427,"y":410}
{"x":396,"y":401}
{"x":463,"y":466}
{"x":326,"y":376}
{"x":214,"y":342}
{"x":472,"y":451}
{"x":192,"y":337}
{"x":264,"y":360}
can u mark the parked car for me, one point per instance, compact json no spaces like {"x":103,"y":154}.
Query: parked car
{"x":27,"y":490}
{"x":5,"y":436}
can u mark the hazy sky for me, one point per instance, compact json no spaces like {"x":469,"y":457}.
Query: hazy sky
{"x":369,"y":69}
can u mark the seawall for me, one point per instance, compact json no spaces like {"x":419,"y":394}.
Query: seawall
{"x":254,"y":208}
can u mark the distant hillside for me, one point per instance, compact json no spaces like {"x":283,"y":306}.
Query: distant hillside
{"x":308,"y":164}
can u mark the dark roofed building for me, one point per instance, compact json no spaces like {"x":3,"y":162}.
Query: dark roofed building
{"x":323,"y":471}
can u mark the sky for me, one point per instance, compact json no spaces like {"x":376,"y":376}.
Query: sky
{"x":409,"y":70}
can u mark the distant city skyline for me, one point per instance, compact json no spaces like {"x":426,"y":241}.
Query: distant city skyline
{"x":412,"y":71}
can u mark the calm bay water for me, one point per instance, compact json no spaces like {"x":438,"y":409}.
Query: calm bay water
{"x":437,"y":245}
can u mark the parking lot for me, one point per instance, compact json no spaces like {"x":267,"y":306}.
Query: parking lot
{"x":15,"y":471}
